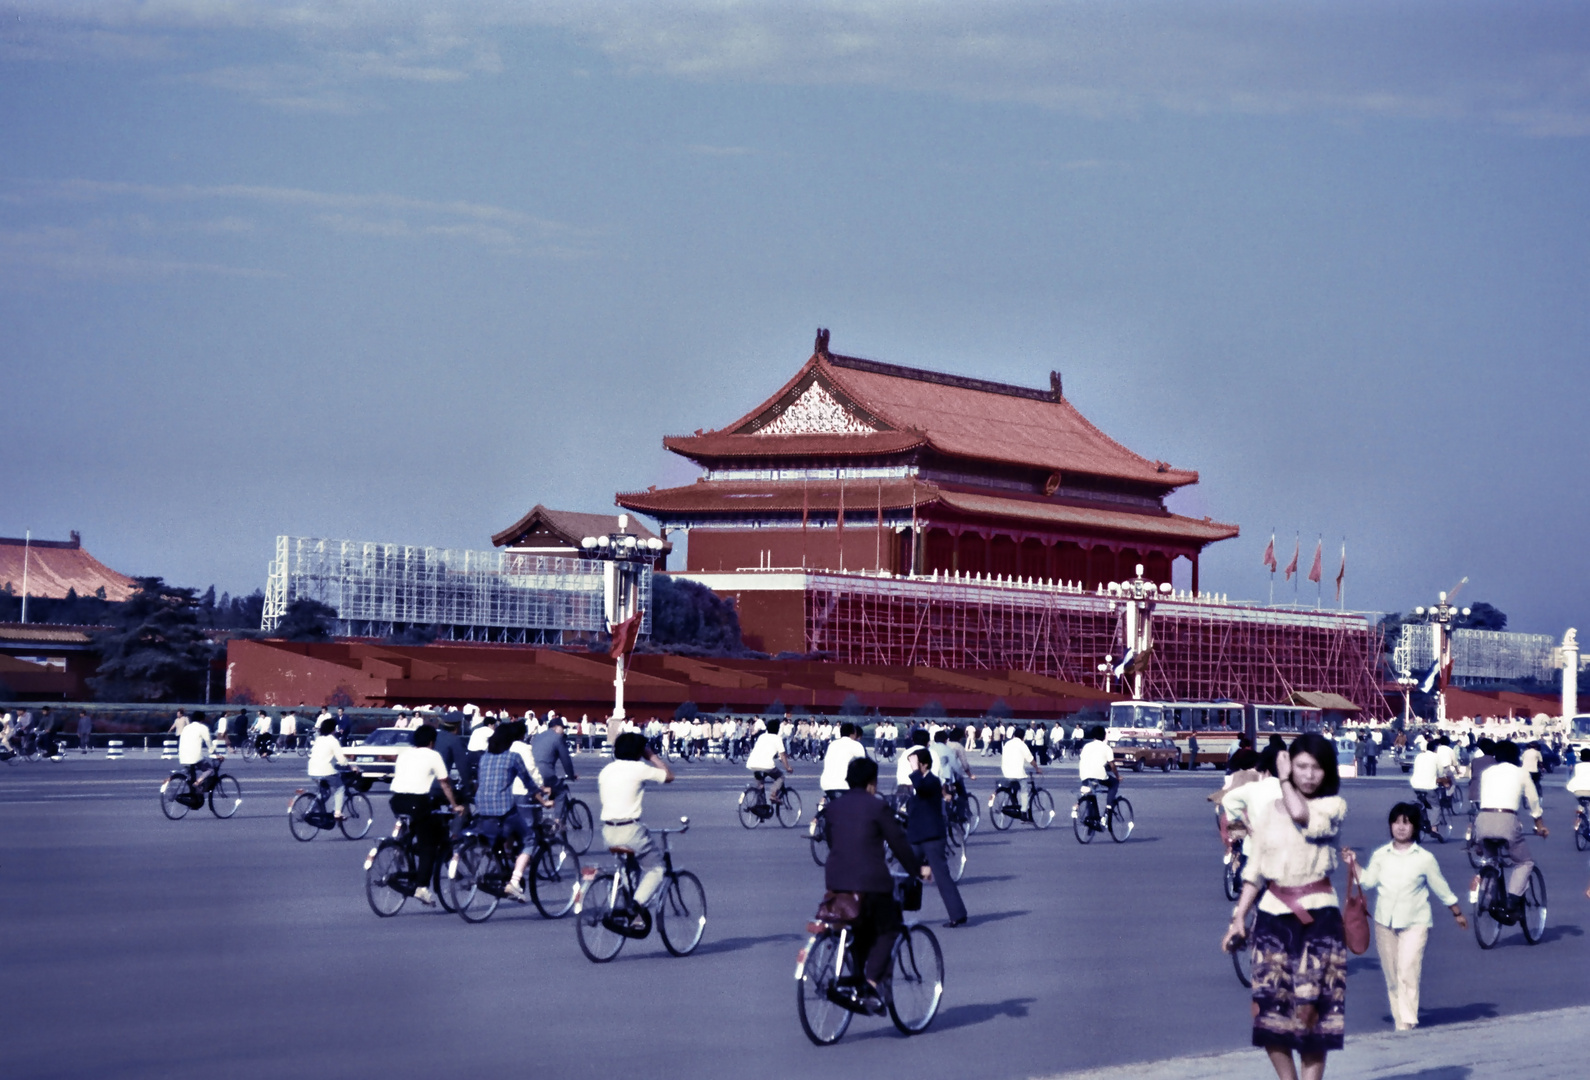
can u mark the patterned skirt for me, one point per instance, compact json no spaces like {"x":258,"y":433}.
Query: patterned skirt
{"x":1299,"y":981}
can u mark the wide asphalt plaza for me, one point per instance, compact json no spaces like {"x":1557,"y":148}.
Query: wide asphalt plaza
{"x":140,"y":947}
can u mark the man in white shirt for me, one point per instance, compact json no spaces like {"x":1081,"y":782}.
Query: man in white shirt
{"x":413,"y":773}
{"x":841,"y":752}
{"x":766,"y":757}
{"x":325,"y":757}
{"x":1096,"y":764}
{"x":621,"y":786}
{"x":1015,"y":762}
{"x":194,"y":747}
{"x":1504,"y":786}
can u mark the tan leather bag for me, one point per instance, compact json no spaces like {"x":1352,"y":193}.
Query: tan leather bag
{"x":1355,"y":915}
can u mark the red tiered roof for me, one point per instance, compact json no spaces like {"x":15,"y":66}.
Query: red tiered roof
{"x":55,"y":567}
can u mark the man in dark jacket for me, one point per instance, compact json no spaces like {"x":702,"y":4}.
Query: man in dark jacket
{"x":925,"y":831}
{"x":451,"y":746}
{"x":551,"y":751}
{"x":859,"y":824}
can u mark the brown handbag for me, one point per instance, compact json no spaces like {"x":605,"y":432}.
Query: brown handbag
{"x":839,"y":907}
{"x":1355,"y":915}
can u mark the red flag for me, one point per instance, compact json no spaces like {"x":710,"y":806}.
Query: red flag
{"x":1269,"y":555}
{"x":624,"y":635}
{"x":1291,"y":567}
{"x":1342,"y":573}
{"x":1314,"y":570}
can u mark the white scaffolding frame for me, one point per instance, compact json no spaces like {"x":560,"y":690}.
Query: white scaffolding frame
{"x":1478,"y":655}
{"x":379,"y":589}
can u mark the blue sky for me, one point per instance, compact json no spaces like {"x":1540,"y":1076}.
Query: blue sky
{"x":399,"y":271}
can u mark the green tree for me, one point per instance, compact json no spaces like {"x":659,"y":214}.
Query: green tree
{"x":306,"y":620}
{"x":153,"y":649}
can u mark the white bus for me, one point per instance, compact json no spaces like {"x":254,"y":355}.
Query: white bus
{"x":1217,"y":725}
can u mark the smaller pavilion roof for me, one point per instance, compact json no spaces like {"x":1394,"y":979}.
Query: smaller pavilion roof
{"x":55,"y":567}
{"x":568,"y":526}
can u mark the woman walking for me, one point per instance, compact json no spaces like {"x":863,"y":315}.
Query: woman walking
{"x":1299,"y":956}
{"x":1404,"y":875}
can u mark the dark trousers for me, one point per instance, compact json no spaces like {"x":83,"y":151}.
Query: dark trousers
{"x":430,"y":833}
{"x":932,"y":852}
{"x":1369,"y":765}
{"x":875,"y":930}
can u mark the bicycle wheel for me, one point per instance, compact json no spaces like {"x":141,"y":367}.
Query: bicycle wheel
{"x":226,"y":796}
{"x":1443,"y":825}
{"x":996,"y":814}
{"x":1231,"y":876}
{"x":1581,"y":836}
{"x":1079,"y":823}
{"x":554,"y":879}
{"x":474,"y":889}
{"x":819,"y":841}
{"x":384,"y":875}
{"x":789,"y":808}
{"x":599,"y":942}
{"x":822,"y":1019}
{"x":173,"y":797}
{"x":1534,"y":920}
{"x":956,"y":856}
{"x":750,"y":800}
{"x":248,"y":750}
{"x":1486,"y":929}
{"x":298,"y":822}
{"x":1459,"y":798}
{"x":357,"y":816}
{"x":1242,"y":957}
{"x":1473,"y":848}
{"x":682,"y":914}
{"x":1121,"y":822}
{"x":917,"y":985}
{"x":578,"y":826}
{"x":1042,"y":808}
{"x":974,"y":815}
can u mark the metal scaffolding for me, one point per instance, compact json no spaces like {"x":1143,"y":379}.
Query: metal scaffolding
{"x":381,"y":589}
{"x":1205,"y":649}
{"x":1479,"y":656}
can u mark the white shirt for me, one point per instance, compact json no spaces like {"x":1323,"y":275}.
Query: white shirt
{"x":1503,"y":785}
{"x":416,"y":769}
{"x":1284,"y":852}
{"x":1014,"y":759}
{"x":324,"y":756}
{"x":1530,"y":759}
{"x":529,"y":759}
{"x":1579,"y":782}
{"x":905,"y":766}
{"x":193,"y":745}
{"x":478,"y":739}
{"x":1446,"y":758}
{"x":764,"y":754}
{"x":621,"y":787}
{"x":290,"y":724}
{"x":1093,"y":763}
{"x":1425,"y":767}
{"x":1403,"y":881}
{"x":841,"y":752}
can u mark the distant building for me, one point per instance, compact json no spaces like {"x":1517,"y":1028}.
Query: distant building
{"x":56,"y":567}
{"x":558,"y":532}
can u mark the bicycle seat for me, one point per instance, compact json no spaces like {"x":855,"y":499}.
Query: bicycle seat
{"x":622,"y":850}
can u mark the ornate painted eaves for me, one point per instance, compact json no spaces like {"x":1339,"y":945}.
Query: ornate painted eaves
{"x":814,"y":406}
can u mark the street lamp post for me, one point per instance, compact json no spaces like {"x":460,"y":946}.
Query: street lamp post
{"x":1442,"y":616}
{"x":624,"y":561}
{"x":1138,"y":596}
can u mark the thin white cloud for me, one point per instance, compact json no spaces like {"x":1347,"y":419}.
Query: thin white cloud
{"x":83,"y":253}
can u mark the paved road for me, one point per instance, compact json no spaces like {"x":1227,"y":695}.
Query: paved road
{"x":139,"y":947}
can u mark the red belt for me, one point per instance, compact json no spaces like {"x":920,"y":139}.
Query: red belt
{"x":1291,"y":894}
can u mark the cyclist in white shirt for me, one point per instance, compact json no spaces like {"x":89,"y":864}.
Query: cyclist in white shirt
{"x":325,"y":755}
{"x":1015,"y":762}
{"x":841,"y":752}
{"x":766,"y":757}
{"x":413,"y":772}
{"x":1504,"y":786}
{"x":194,"y":747}
{"x":621,"y":786}
{"x":1096,"y":764}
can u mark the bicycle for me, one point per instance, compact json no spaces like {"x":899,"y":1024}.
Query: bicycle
{"x":1493,"y":907}
{"x":962,"y":814}
{"x":755,"y":807}
{"x":262,"y":746}
{"x":1085,"y":818}
{"x":178,"y":795}
{"x":1581,"y":825}
{"x":1435,"y":821}
{"x":1234,"y":863}
{"x":1041,"y":803}
{"x":307,"y":814}
{"x":828,"y":982}
{"x":576,"y":825}
{"x":1242,"y":953}
{"x":817,"y":832}
{"x":605,"y":916}
{"x":482,"y":865}
{"x":391,"y":869}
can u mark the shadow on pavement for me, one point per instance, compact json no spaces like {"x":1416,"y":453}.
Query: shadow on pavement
{"x":737,"y":944}
{"x":1457,"y":1014}
{"x":1443,"y":1072}
{"x":985,"y":879}
{"x":1355,"y":964}
{"x":1553,"y":933}
{"x":995,"y":916}
{"x":958,"y":1017}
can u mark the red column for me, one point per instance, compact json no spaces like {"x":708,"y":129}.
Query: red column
{"x":1195,"y":575}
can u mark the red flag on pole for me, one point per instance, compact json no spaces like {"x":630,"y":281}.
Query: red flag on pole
{"x":624,"y":635}
{"x":1314,"y":573}
{"x":1269,"y":555}
{"x":1291,"y":567}
{"x":1342,"y":573}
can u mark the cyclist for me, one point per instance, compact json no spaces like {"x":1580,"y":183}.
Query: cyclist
{"x":860,"y":824}
{"x":550,"y":750}
{"x":1425,"y":779}
{"x":767,"y":754}
{"x":905,"y":767}
{"x":1096,"y":766}
{"x":499,"y":767}
{"x":450,"y":744}
{"x":1503,"y":787}
{"x":263,"y":741}
{"x":194,"y":747}
{"x":327,"y":762}
{"x":841,"y":752}
{"x":951,"y":765}
{"x":1015,"y":762}
{"x":415,"y":769}
{"x":621,"y":786}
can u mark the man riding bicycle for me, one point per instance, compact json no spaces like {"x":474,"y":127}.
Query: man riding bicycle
{"x":860,"y":824}
{"x":1426,"y":780}
{"x":551,"y":752}
{"x":414,"y":770}
{"x":329,"y":766}
{"x":836,"y":760}
{"x":621,"y":786}
{"x":1096,"y":766}
{"x":1015,"y":762}
{"x":766,"y":756}
{"x":194,"y":748}
{"x":1502,"y":789}
{"x":499,"y":767}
